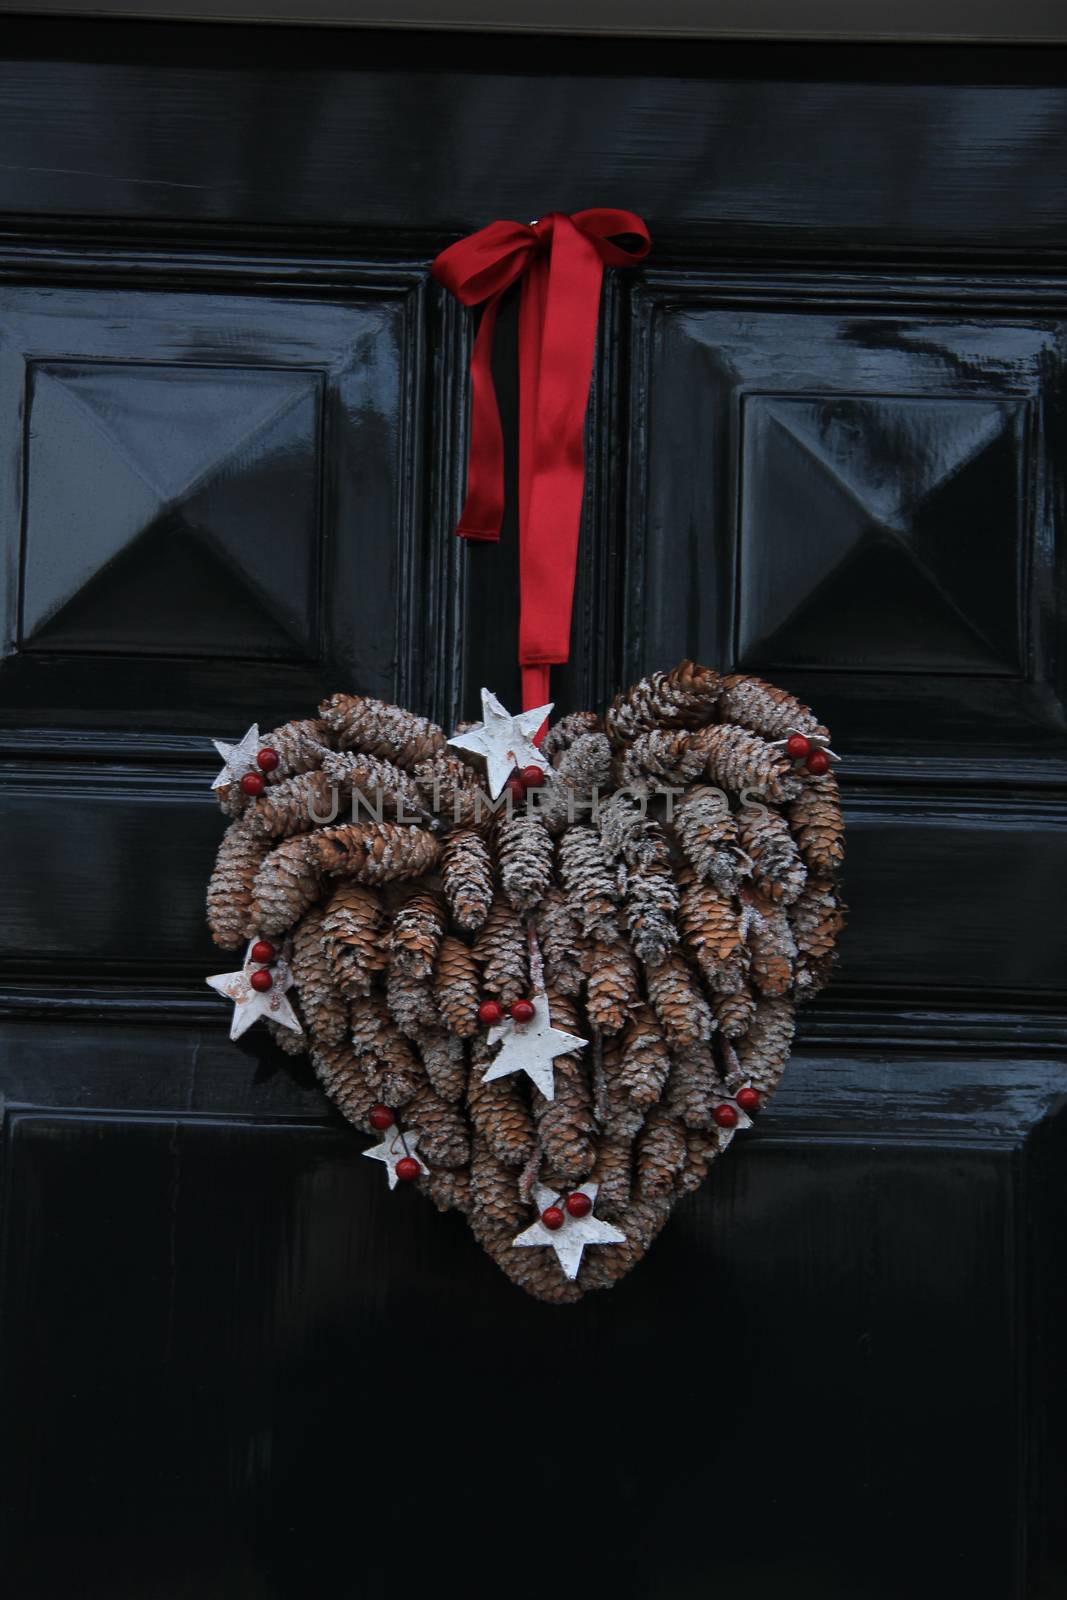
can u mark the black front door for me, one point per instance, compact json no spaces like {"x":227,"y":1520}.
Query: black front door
{"x":826,"y":444}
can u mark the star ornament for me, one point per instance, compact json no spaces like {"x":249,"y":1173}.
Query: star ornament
{"x":393,"y":1148}
{"x":249,"y":1004}
{"x":505,"y":741}
{"x":531,"y":1047}
{"x":571,"y":1239}
{"x":239,"y":758}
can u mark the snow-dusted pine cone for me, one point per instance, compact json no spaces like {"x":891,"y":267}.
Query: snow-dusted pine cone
{"x":231,"y":890}
{"x":355,"y":929}
{"x":766,"y":710}
{"x":359,"y":722}
{"x":467,"y":876}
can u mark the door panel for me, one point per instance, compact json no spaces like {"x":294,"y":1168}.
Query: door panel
{"x":825,"y":442}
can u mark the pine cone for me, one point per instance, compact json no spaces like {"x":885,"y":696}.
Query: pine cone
{"x":232,"y":886}
{"x":777,"y":870}
{"x":387,"y":1058}
{"x":641,"y":1222}
{"x":612,"y":1173}
{"x":816,"y":919}
{"x":410,"y":1001}
{"x":294,"y":1044}
{"x":415,"y":939}
{"x":773,"y":948}
{"x":650,"y":903}
{"x":588,"y":882}
{"x":442,"y":1132}
{"x":661,"y":1154}
{"x":374,"y":790}
{"x":734,"y":1012}
{"x":346,"y":1084}
{"x":449,"y":1191}
{"x":701,"y":1150}
{"x":683,"y":698}
{"x":694,"y":1087}
{"x":645,"y":1059}
{"x":566,"y":732}
{"x":663,"y":755}
{"x":495,"y":1201}
{"x":321,"y":1000}
{"x":768,"y":711}
{"x":524,"y":853}
{"x":296,"y":806}
{"x":815,"y":817}
{"x":560,"y":943}
{"x":454,"y":793}
{"x":373,"y":852}
{"x":763,"y":1052}
{"x":683,"y":1012}
{"x":285,"y":886}
{"x":612,"y":984}
{"x":707,"y":832}
{"x":711,"y":932}
{"x":467,"y":874}
{"x":498,"y":1111}
{"x":360,"y":722}
{"x":299,"y":746}
{"x":566,"y":1126}
{"x":355,"y":939}
{"x":584,"y":768}
{"x":739,"y":760}
{"x":501,"y":949}
{"x":536,"y":1271}
{"x":457,"y":987}
{"x":444,"y":1060}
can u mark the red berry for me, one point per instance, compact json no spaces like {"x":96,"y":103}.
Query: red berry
{"x":797,"y":746}
{"x":748,"y":1099}
{"x":381,"y":1117}
{"x":267,"y":760}
{"x":532,"y":777}
{"x":261,"y":980}
{"x":516,"y":789}
{"x":252,"y":783}
{"x":263,"y":952}
{"x":818,"y":762}
{"x":578,"y":1204}
{"x":490,"y":1012}
{"x":552,"y":1218}
{"x":407,"y":1168}
{"x":725,"y":1116}
{"x":522,"y":1011}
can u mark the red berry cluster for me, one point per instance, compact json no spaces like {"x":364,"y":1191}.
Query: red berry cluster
{"x":264,"y":955}
{"x":522,"y":779}
{"x":798,"y":747}
{"x":490,"y":1012}
{"x":575,"y":1205}
{"x":254,"y":783}
{"x":725,"y":1116}
{"x":381,"y":1118}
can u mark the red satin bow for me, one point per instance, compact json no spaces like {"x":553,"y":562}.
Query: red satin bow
{"x":561,"y":262}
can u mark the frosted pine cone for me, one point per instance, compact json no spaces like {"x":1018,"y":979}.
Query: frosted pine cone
{"x":294,"y":1044}
{"x":502,"y":952}
{"x":444,"y":1060}
{"x":321,"y":1000}
{"x":772,"y":946}
{"x":232,"y":887}
{"x":295,"y":806}
{"x":581,"y":772}
{"x":442,"y":1132}
{"x":711,"y":931}
{"x":612,"y":984}
{"x":764,"y":1051}
{"x":355,"y":929}
{"x":524,"y":853}
{"x":567,"y":731}
{"x":410,"y":1001}
{"x":373,"y":852}
{"x":360,"y":722}
{"x":453,"y":792}
{"x":457,"y":987}
{"x":495,"y":1201}
{"x":661,"y":1153}
{"x":499,"y":1111}
{"x":287,"y":883}
{"x":373,"y":790}
{"x":645,"y":1058}
{"x":663,"y":756}
{"x":778,"y":873}
{"x":683,"y":1013}
{"x":694,"y":1086}
{"x":450,"y":1190}
{"x":739,"y":760}
{"x":588,"y":882}
{"x":734,"y":1012}
{"x":817,"y":919}
{"x":768,"y":711}
{"x":612,"y":1173}
{"x":339,"y":1073}
{"x":683,"y":698}
{"x":467,"y":875}
{"x":565,"y":1125}
{"x":815,"y":817}
{"x":560,"y":942}
{"x":415,"y":938}
{"x":650,"y":903}
{"x":706,"y":829}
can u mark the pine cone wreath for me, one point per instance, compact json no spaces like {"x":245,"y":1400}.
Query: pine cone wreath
{"x":548,"y":1015}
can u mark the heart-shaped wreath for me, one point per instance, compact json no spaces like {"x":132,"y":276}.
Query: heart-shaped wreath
{"x":555,"y":1008}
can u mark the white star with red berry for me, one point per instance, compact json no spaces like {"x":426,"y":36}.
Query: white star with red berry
{"x":505,"y":741}
{"x":531,"y":1047}
{"x":726,"y":1133}
{"x":250,"y":1004}
{"x":239,"y":758}
{"x":393,"y":1149}
{"x":574,"y":1233}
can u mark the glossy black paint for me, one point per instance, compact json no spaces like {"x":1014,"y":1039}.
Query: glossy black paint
{"x":826,"y":441}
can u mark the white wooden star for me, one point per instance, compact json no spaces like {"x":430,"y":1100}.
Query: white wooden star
{"x":531,"y":1047}
{"x":393,"y":1148}
{"x":571,"y":1239}
{"x":505,"y":741}
{"x":239,"y":758}
{"x":249,"y":1004}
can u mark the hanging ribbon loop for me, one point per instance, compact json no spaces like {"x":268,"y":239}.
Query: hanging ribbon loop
{"x":560,"y":263}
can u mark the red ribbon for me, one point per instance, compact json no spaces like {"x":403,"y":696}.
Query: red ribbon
{"x":561,"y":262}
